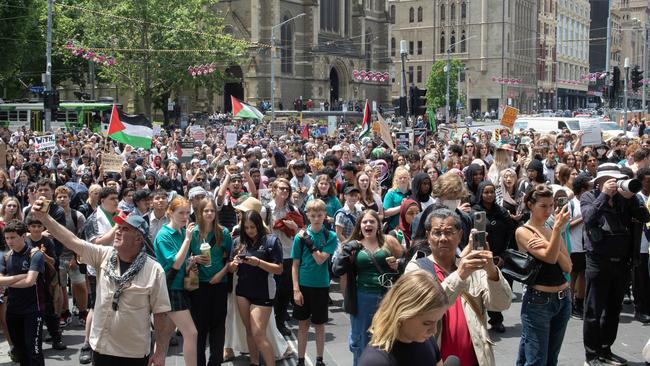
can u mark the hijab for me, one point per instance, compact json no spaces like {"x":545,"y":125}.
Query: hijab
{"x":403,"y":225}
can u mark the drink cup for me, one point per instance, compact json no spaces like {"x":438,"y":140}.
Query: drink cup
{"x":205,"y":251}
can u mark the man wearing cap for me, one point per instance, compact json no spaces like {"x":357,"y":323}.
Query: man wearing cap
{"x":607,"y":211}
{"x":130,"y":289}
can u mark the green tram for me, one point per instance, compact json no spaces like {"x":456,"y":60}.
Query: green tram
{"x":69,"y":115}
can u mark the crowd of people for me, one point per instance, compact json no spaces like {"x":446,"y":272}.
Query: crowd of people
{"x":226,"y":245}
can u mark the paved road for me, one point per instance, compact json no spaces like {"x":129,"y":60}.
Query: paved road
{"x":631,"y":339}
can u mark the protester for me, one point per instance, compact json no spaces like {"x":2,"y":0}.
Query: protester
{"x":607,"y":212}
{"x":365,"y":260}
{"x":125,"y":338}
{"x":473,"y":285}
{"x":547,"y":303}
{"x":404,"y":325}
{"x":394,"y":197}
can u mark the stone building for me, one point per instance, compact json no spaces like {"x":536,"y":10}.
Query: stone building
{"x":572,"y":53}
{"x":320,"y":56}
{"x":495,"y":39}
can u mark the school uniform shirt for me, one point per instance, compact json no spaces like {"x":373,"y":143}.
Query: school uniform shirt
{"x":219,"y":253}
{"x":24,"y":300}
{"x":312,"y":274}
{"x":166,"y":245}
{"x":394,"y":198}
{"x":254,"y":282}
{"x":127,"y":331}
{"x":155,"y":224}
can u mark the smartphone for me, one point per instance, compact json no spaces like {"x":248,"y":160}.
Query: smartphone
{"x":242,"y":256}
{"x":46,"y":206}
{"x":479,"y":237}
{"x":561,"y":202}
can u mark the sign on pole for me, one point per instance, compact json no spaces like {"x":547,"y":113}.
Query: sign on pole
{"x":509,"y":117}
{"x":112,"y":163}
{"x":45,"y":143}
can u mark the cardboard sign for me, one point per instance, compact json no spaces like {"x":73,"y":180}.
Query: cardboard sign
{"x":44,"y":143}
{"x":509,"y":117}
{"x":402,"y":141}
{"x":278,"y":128}
{"x":420,"y":138}
{"x":197,"y":133}
{"x":112,"y":163}
{"x":443,"y":132}
{"x":331,"y":126}
{"x":231,"y":140}
{"x":186,"y":150}
{"x":592,"y":135}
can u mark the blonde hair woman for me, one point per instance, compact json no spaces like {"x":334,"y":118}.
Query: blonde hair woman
{"x":395,"y":196}
{"x":405,"y":322}
{"x":10,"y":210}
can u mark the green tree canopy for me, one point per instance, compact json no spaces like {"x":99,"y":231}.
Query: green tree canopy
{"x":437,"y":85}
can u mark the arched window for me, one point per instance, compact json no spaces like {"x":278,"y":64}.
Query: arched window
{"x":419,"y":14}
{"x":411,"y":15}
{"x":463,"y":10}
{"x":442,"y":42}
{"x":452,"y":12}
{"x":442,"y":12}
{"x":392,"y":46}
{"x":286,"y":46}
{"x":463,"y":43}
{"x":452,"y":42}
{"x":392,"y":14}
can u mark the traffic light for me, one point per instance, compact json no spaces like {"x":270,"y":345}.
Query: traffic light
{"x":614,"y":86}
{"x":419,"y":102}
{"x":51,"y":99}
{"x":636,"y":77}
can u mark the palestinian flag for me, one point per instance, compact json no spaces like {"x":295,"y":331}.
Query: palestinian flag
{"x":241,"y":110}
{"x":365,"y":125}
{"x":135,"y":130}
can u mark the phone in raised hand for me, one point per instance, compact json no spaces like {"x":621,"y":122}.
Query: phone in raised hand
{"x":479,"y":236}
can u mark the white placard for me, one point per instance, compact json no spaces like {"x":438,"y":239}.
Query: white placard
{"x":231,"y":140}
{"x":591,"y":134}
{"x":331,"y":126}
{"x":45,"y":142}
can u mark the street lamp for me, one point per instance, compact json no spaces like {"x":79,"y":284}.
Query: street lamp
{"x":273,"y":62}
{"x":627,"y":72}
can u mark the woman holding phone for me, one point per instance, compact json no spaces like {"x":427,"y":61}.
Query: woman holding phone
{"x":257,"y":257}
{"x":172,"y":246}
{"x":546,"y":305}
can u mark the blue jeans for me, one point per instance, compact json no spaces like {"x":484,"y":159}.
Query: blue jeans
{"x":367,"y":304}
{"x":544,"y":319}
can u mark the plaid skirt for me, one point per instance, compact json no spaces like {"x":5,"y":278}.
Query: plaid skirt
{"x":179,"y":299}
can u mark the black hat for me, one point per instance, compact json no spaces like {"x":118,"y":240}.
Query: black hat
{"x":351,"y":189}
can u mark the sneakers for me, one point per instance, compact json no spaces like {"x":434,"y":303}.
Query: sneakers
{"x":611,"y":359}
{"x":59,"y":345}
{"x":13,"y":356}
{"x":85,"y":354}
{"x":65,"y":319}
{"x":594,"y":362}
{"x":576,"y":313}
{"x":643,"y":318}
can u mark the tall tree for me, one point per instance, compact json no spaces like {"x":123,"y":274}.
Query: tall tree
{"x":437,"y":85}
{"x":153,"y":42}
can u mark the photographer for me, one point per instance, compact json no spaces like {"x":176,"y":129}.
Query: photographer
{"x":608,"y":211}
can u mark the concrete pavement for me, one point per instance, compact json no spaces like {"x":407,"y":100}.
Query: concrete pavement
{"x":632,"y":336}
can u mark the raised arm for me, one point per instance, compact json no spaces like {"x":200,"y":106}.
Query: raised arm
{"x":58,"y":231}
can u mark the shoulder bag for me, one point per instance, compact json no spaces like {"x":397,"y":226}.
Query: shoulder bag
{"x":521,"y":267}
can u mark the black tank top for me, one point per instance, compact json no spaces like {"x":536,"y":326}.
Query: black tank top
{"x":549,"y":274}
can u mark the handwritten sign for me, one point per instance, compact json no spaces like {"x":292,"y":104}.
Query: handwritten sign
{"x":591,"y":131}
{"x":45,"y":143}
{"x":231,"y":140}
{"x":112,"y":163}
{"x":509,"y":116}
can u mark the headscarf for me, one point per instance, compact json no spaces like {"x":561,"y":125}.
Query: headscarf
{"x":383,"y":166}
{"x":415,"y":187}
{"x":403,"y":225}
{"x":504,"y":191}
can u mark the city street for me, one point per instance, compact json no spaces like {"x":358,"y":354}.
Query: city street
{"x":632,"y":336}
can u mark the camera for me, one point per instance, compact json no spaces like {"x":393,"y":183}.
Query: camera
{"x":629,"y":185}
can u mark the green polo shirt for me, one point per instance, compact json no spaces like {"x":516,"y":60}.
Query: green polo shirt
{"x":311,"y":273}
{"x":219,"y":253}
{"x":166,"y":245}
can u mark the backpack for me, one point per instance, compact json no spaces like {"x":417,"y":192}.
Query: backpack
{"x":49,"y":279}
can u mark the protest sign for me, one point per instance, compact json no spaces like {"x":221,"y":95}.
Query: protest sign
{"x":592,"y":135}
{"x":44,"y":143}
{"x":231,"y":140}
{"x":186,"y":150}
{"x":509,"y":117}
{"x":112,"y":163}
{"x":420,"y":138}
{"x":197,"y":133}
{"x":278,"y":128}
{"x":402,"y":141}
